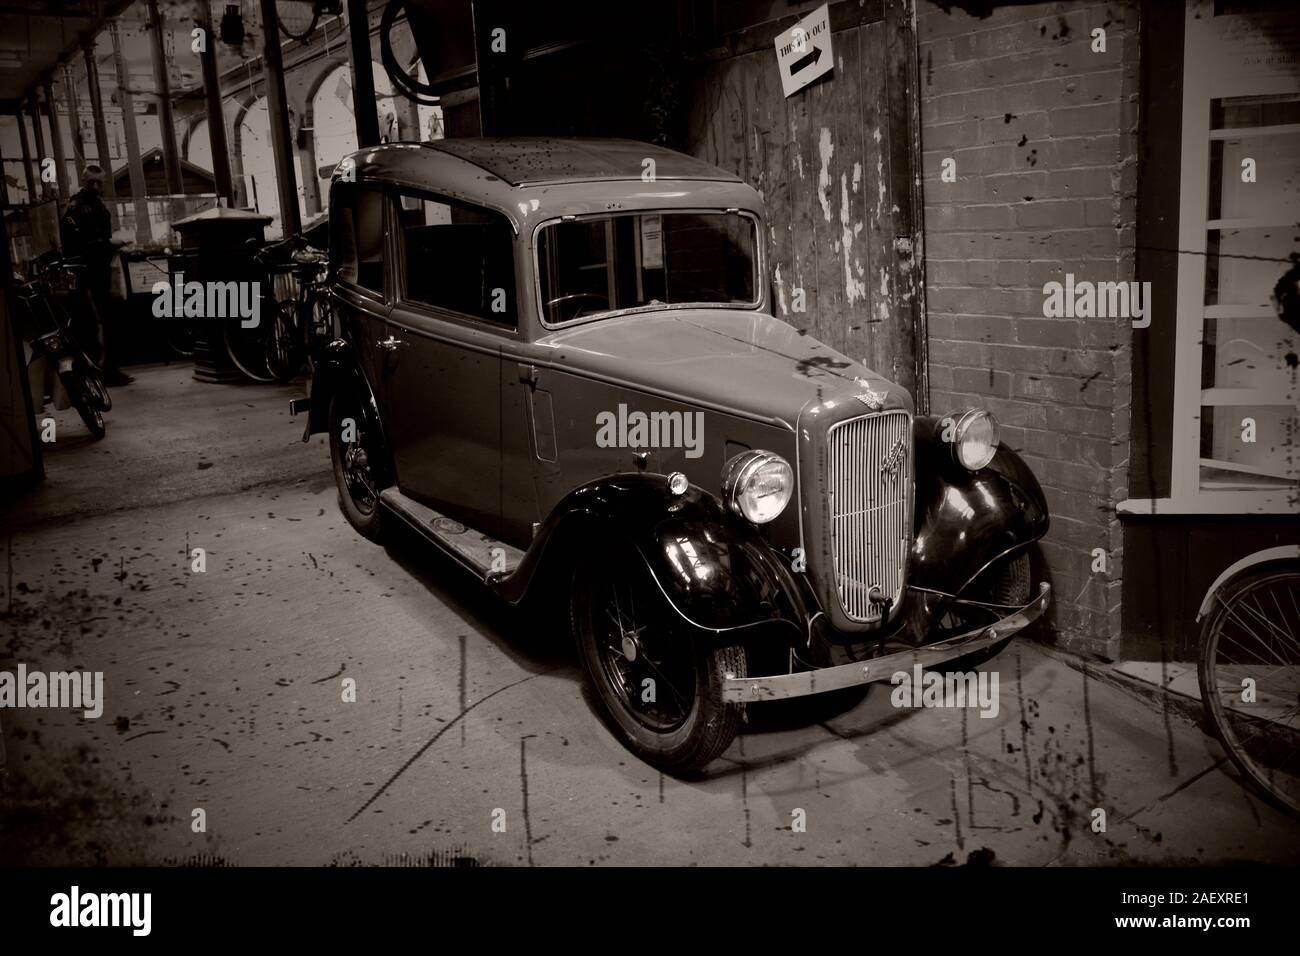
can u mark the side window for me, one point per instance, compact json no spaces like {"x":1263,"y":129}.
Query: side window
{"x":459,"y":258}
{"x":357,"y":235}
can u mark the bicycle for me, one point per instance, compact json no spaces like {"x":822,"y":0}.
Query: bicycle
{"x":1249,"y":670}
{"x":53,"y":339}
{"x":303,"y":322}
{"x":253,"y":349}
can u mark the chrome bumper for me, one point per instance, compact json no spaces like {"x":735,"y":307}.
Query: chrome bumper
{"x":740,"y":690}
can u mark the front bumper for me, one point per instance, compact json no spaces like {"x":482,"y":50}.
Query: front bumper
{"x":739,"y":690}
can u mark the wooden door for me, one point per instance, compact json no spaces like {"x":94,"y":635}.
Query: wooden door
{"x":836,"y":165}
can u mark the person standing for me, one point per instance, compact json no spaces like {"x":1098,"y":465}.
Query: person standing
{"x":87,"y":232}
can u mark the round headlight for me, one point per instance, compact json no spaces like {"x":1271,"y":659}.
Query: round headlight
{"x":757,"y":485}
{"x":975,"y":439}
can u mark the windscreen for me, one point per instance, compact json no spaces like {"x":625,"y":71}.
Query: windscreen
{"x":609,"y":263}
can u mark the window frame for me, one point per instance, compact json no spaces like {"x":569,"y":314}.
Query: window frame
{"x":760,"y":272}
{"x":395,"y":192}
{"x":1203,"y":44}
{"x":380,"y":297}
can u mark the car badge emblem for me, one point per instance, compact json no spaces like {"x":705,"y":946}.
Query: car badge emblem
{"x":889,"y":467}
{"x":872,"y":399}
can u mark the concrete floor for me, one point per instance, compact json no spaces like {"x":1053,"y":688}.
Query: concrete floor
{"x":224,"y":695}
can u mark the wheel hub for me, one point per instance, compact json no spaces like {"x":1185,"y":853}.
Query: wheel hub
{"x":629,"y":647}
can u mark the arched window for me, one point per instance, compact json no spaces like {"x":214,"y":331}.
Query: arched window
{"x":259,"y":166}
{"x":198,"y":148}
{"x":335,"y":125}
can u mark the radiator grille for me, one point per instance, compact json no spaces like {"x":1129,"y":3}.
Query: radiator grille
{"x":870,"y":476}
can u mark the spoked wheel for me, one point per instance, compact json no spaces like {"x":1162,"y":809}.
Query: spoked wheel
{"x":284,"y":343}
{"x":658,"y":679}
{"x":1250,"y":678}
{"x":248,"y":347}
{"x":321,"y":332}
{"x":356,"y":456}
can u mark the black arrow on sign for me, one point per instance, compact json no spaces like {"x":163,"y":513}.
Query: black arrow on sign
{"x":808,"y":59}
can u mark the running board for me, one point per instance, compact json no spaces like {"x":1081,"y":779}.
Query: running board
{"x":490,"y":559}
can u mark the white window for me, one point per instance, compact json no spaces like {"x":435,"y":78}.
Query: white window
{"x":1236,"y":427}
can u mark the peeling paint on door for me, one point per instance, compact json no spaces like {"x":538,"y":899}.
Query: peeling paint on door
{"x":825,"y":149}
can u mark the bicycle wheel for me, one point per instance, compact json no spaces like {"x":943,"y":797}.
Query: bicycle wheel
{"x":247,"y":348}
{"x":284,"y":343}
{"x":1249,"y":672}
{"x":180,"y":338}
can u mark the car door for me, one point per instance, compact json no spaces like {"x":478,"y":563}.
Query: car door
{"x":359,"y":283}
{"x":454,"y":305}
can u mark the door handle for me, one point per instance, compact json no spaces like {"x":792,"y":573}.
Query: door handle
{"x":389,"y":344}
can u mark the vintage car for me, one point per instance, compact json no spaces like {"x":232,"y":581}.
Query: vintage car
{"x":560,"y":367}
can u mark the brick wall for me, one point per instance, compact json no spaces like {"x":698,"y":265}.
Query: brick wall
{"x":1043,"y":132}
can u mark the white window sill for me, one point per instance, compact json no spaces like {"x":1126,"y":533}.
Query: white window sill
{"x":1217,"y":503}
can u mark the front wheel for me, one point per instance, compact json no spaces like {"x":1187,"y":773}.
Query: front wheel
{"x":84,"y":401}
{"x":1249,"y":672}
{"x":658,"y":680}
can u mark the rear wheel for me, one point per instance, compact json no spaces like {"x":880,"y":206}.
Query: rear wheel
{"x":355,"y":454}
{"x":658,"y":680}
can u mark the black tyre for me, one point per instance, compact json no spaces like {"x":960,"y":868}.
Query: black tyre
{"x":356,"y":456}
{"x":84,"y":402}
{"x":1006,"y":583}
{"x":658,"y":680}
{"x":96,"y":390}
{"x":1249,"y":674}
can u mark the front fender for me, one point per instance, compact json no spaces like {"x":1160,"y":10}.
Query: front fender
{"x":716,"y":570}
{"x":965,"y":520}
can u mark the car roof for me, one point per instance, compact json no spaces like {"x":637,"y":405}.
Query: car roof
{"x":531,"y":161}
{"x":533,"y":178}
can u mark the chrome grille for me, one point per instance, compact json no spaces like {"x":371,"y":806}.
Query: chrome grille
{"x":868,"y":506}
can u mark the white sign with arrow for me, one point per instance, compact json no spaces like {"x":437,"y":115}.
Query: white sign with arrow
{"x":803,"y":53}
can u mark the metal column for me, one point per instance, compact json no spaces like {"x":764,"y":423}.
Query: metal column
{"x":74,"y":122}
{"x":364,"y":106}
{"x":277,"y":109}
{"x":139,"y":190}
{"x":27,"y":157}
{"x":166,"y":121}
{"x":60,"y":161}
{"x":102,"y":154}
{"x":38,"y":140}
{"x":216,"y":115}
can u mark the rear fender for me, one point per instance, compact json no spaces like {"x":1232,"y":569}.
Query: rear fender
{"x":337,"y":370}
